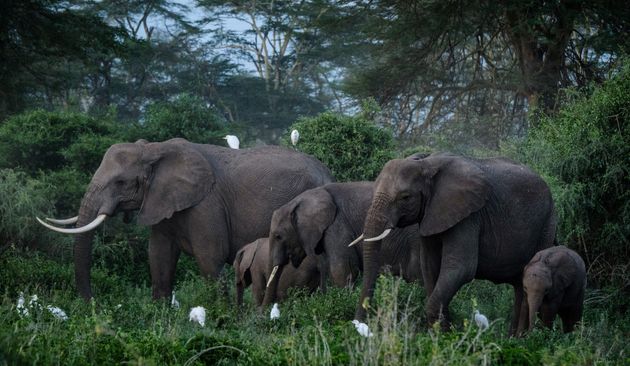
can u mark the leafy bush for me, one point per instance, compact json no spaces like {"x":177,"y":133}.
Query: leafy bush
{"x":21,"y":200}
{"x":41,"y":140}
{"x":187,"y":117}
{"x":585,"y":150}
{"x":354,"y":148}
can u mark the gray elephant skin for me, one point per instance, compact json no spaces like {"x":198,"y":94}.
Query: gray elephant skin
{"x":322,"y":222}
{"x":205,"y":200}
{"x":479,"y":218}
{"x":554,"y":282}
{"x":251,"y":267}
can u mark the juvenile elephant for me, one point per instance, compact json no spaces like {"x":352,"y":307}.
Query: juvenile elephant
{"x":251,"y":267}
{"x":324,"y":220}
{"x":479,"y":218}
{"x":206,"y":200}
{"x":554,"y":282}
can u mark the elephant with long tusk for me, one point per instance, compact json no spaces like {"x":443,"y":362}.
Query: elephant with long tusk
{"x":205,"y":200}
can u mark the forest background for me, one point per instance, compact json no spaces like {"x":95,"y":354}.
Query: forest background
{"x":546,"y":83}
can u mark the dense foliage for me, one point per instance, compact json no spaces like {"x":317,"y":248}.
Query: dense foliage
{"x":584,"y":151}
{"x":354,"y":148}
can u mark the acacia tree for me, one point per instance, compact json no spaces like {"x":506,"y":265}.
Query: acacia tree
{"x":452,"y":64}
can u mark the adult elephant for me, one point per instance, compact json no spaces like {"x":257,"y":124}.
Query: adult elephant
{"x":321,"y":222}
{"x":479,"y":218}
{"x":206,"y":200}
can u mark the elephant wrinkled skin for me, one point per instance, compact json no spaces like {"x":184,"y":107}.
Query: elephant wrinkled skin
{"x":554,"y":282}
{"x":205,"y":200}
{"x":251,"y":267}
{"x":479,"y":218}
{"x":322,"y":222}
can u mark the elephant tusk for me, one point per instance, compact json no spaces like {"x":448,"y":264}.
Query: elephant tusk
{"x":273,"y":274}
{"x":72,"y":220}
{"x":382,"y":236}
{"x":356,"y":240}
{"x":99,"y":220}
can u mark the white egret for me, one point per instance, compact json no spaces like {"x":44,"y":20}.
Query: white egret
{"x":21,"y":308}
{"x":57,"y":312}
{"x":295,"y":136}
{"x":174,"y":302}
{"x":232,"y":141}
{"x":481,"y":320}
{"x":275,"y":312}
{"x":198,"y":314}
{"x":362,"y":328}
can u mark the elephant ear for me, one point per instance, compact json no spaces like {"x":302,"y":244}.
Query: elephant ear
{"x":179,"y":177}
{"x":312,"y":215}
{"x":457,"y":188}
{"x":563,"y":268}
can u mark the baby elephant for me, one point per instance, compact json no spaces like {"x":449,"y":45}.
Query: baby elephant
{"x":554,"y":282}
{"x":251,"y":267}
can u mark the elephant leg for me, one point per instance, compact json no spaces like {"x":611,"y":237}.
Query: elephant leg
{"x":548,"y":312}
{"x":460,"y":250}
{"x":517,"y":324}
{"x":570,"y":316}
{"x":163,"y":257}
{"x":430,"y":256}
{"x":341,"y":272}
{"x":258,"y":288}
{"x":322,"y":271}
{"x":523,"y":316}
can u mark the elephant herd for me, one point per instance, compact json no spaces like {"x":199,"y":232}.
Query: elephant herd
{"x":279,"y":218}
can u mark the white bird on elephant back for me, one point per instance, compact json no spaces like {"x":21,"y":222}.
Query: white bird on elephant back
{"x":232,"y":141}
{"x":295,"y":136}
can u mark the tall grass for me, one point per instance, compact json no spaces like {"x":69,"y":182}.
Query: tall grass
{"x":123,"y":325}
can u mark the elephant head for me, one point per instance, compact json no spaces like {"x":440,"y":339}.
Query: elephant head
{"x":158,"y":179}
{"x":537,"y":283}
{"x":436,"y":191}
{"x":296,"y":231}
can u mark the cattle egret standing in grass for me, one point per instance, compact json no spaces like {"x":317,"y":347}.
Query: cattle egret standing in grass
{"x":362,"y":328}
{"x":57,"y":313}
{"x":481,"y":320}
{"x":275,"y":312}
{"x":198,"y":314}
{"x":21,"y":308}
{"x":232,"y":141}
{"x":295,"y":136}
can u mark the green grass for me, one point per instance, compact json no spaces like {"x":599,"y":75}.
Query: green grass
{"x":313,"y":329}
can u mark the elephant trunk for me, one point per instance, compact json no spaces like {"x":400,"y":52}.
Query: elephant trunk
{"x":83,"y":245}
{"x":375,"y":224}
{"x":533,"y":302}
{"x":272,"y":287}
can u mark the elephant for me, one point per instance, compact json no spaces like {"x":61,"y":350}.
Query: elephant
{"x":479,"y":218}
{"x":205,"y":200}
{"x":251,"y":267}
{"x":321,"y":222}
{"x":554,"y":282}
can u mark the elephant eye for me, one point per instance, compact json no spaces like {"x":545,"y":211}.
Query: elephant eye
{"x":404,"y":196}
{"x":278,"y":237}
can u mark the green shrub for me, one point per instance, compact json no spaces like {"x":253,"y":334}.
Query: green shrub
{"x":21,"y":199}
{"x":585,"y":150}
{"x":41,"y":140}
{"x":187,"y":117}
{"x":353,"y":148}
